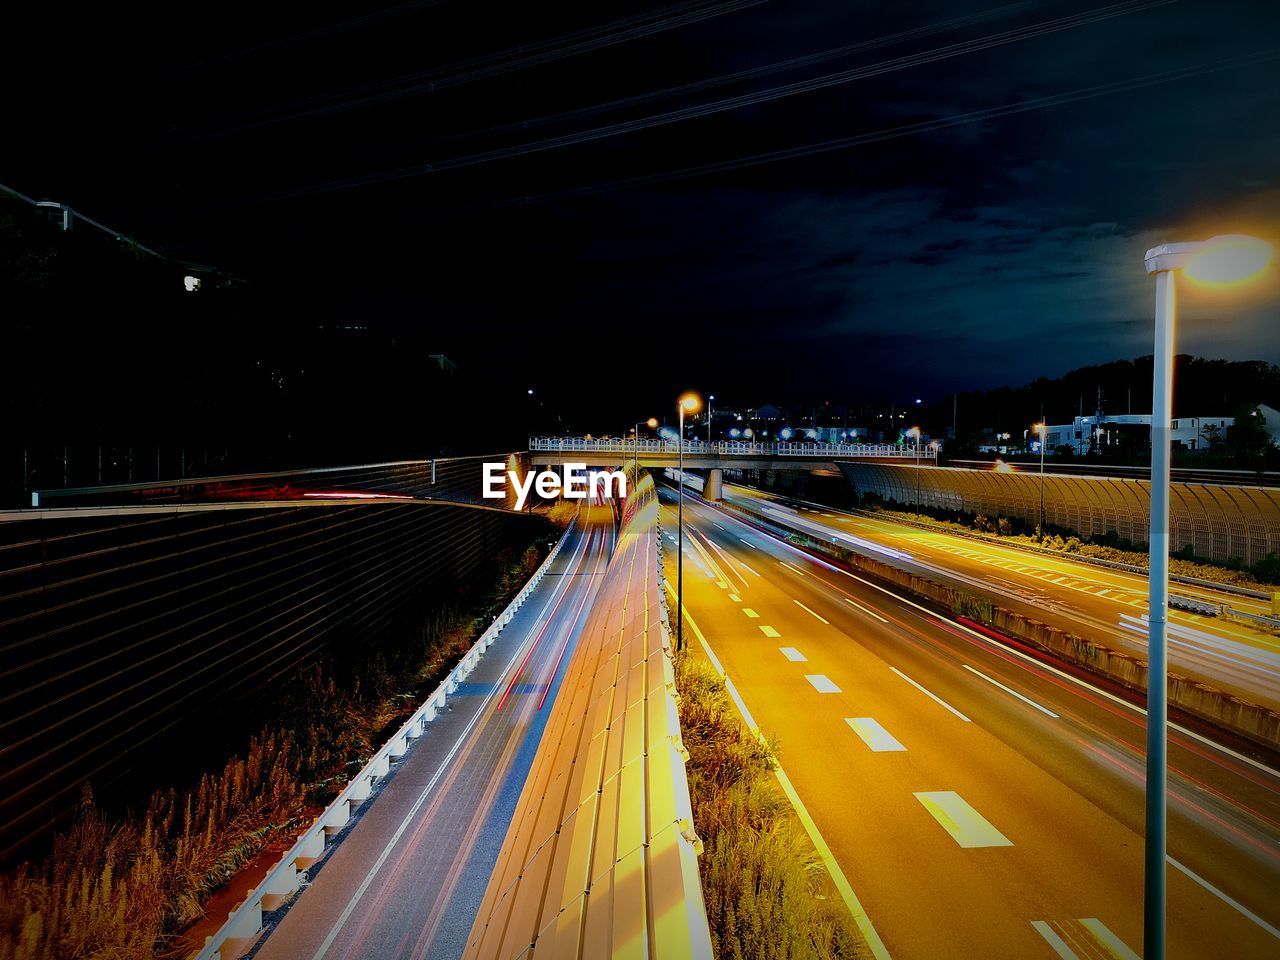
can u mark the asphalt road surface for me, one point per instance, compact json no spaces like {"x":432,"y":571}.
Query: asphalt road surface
{"x":980,"y":803}
{"x":407,"y":879}
{"x":1100,"y":603}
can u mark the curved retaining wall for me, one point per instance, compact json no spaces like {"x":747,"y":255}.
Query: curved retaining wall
{"x":1220,"y":522}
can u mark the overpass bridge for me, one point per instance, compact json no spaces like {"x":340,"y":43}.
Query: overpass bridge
{"x":733,"y":455}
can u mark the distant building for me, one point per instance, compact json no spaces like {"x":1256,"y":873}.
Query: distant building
{"x":1099,"y":432}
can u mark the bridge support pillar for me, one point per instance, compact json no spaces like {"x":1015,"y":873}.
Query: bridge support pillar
{"x":713,"y":488}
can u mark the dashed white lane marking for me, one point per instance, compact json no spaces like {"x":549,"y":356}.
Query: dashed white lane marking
{"x":1117,"y":947}
{"x":867,"y":610}
{"x":966,"y":825}
{"x":751,"y":545}
{"x":735,"y":598}
{"x":822,"y":683}
{"x":874,"y":735}
{"x":792,"y":654}
{"x":932,"y":696}
{"x":1009,"y":690}
{"x":1051,"y":937}
{"x":816,"y":616}
{"x":769,"y":631}
{"x":793,"y":569}
{"x":751,"y":614}
{"x":748,"y":569}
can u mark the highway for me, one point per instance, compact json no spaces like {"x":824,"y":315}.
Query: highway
{"x":407,"y":879}
{"x":980,"y":803}
{"x":1096,"y":602}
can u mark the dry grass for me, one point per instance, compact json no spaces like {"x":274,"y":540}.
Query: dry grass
{"x":768,"y":895}
{"x":119,"y":887}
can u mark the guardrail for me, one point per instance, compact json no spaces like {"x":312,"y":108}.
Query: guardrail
{"x":244,"y":922}
{"x":601,"y":855}
{"x":732,"y":448}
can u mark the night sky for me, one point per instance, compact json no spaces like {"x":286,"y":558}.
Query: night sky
{"x":563,"y":232}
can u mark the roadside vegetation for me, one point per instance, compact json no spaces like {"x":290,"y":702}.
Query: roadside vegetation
{"x":123,"y":884}
{"x":1263,"y":575}
{"x":768,"y":895}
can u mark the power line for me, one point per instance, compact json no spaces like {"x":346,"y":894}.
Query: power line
{"x":912,"y":129}
{"x":491,"y":65}
{"x":732,"y":103}
{"x":754,"y":73}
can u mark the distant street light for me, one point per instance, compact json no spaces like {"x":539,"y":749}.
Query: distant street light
{"x":690,"y":403}
{"x":1041,"y":428}
{"x":1218,"y":261}
{"x":650,"y":423}
{"x":709,"y":400}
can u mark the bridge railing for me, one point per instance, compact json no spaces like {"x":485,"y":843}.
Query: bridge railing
{"x":731,"y":448}
{"x":244,"y":923}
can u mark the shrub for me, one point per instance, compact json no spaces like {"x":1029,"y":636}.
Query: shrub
{"x":119,"y":887}
{"x":767,"y":892}
{"x":973,"y":607}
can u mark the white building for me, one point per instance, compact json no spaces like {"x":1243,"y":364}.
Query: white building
{"x":1188,"y":432}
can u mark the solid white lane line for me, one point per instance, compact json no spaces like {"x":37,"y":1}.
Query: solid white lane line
{"x":769,"y":631}
{"x":751,"y":614}
{"x":1245,"y":911}
{"x":966,"y":825}
{"x":816,"y":616}
{"x":822,"y":683}
{"x":1114,"y":945}
{"x":867,"y":610}
{"x":792,"y":654}
{"x":1009,"y":690}
{"x":851,"y":901}
{"x":793,"y":569}
{"x":932,"y":696}
{"x":1051,"y":937}
{"x":873,"y":735}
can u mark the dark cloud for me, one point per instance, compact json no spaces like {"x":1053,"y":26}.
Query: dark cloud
{"x":985,"y":254}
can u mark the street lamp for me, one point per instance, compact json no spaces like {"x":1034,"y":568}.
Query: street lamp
{"x":1041,"y":428}
{"x":1218,"y":261}
{"x":709,"y":400}
{"x":690,"y":403}
{"x":650,"y":423}
{"x":914,"y":433}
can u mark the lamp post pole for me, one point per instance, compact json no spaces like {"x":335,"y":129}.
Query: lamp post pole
{"x":680,"y":533}
{"x":1154,"y":903}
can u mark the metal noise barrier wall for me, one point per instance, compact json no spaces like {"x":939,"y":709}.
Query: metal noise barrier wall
{"x":452,"y":479}
{"x":600,"y":859}
{"x":244,"y":923}
{"x":1220,"y":522}
{"x":120,"y":630}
